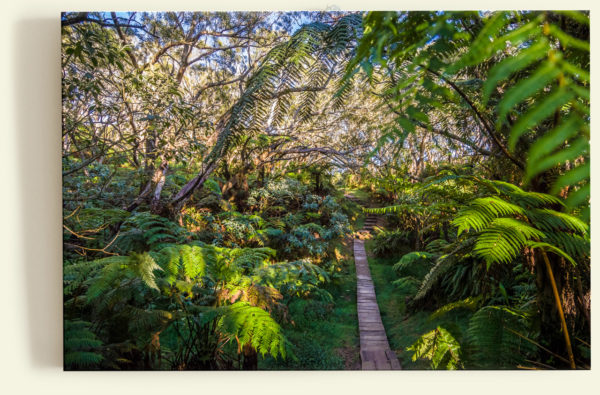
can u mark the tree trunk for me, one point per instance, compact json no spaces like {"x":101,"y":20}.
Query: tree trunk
{"x":159,"y":179}
{"x":250,"y":361}
{"x":188,"y":189}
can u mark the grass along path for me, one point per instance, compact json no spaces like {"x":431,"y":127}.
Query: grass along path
{"x":403,"y":328}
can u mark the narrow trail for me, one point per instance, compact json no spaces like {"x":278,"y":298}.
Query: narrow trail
{"x":375,"y":351}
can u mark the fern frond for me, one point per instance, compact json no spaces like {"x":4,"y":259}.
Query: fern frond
{"x":183,"y":260}
{"x":145,"y":231}
{"x":143,"y":265}
{"x":573,"y":245}
{"x":482,"y":211}
{"x":407,"y":285}
{"x":75,"y":275}
{"x":81,"y":346}
{"x":440,"y":347}
{"x":148,"y":320}
{"x":552,"y":221}
{"x":437,"y":246}
{"x":503,"y":240}
{"x":254,"y":326}
{"x":415,"y":264}
{"x":443,"y":264}
{"x":470,"y":303}
{"x":299,"y":278}
{"x":122,"y":268}
{"x":440,"y":267}
{"x":492,"y":339}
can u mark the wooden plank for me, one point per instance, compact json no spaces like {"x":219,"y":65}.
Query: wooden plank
{"x":375,"y":352}
{"x":394,"y":362}
{"x":382,"y":364}
{"x":368,"y":365}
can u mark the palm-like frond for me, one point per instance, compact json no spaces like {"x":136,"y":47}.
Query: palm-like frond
{"x":254,"y":326}
{"x":503,"y":240}
{"x":416,"y":264}
{"x":81,"y":346}
{"x":470,"y":303}
{"x":482,"y":211}
{"x":493,"y":338}
{"x":440,"y":347}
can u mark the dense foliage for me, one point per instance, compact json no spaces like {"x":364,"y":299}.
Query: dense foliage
{"x":206,"y":157}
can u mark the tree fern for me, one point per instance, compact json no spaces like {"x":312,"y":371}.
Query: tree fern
{"x":407,"y":285}
{"x":143,"y":321}
{"x":493,"y":338}
{"x":443,"y":264}
{"x":145,"y":231}
{"x":75,"y":275}
{"x":388,"y":242}
{"x":503,"y":239}
{"x":440,"y":347}
{"x":301,"y":278}
{"x":183,"y":261}
{"x":536,"y":91}
{"x":252,"y":325}
{"x":470,"y":303}
{"x":95,"y":218}
{"x":123,"y":268}
{"x":506,"y":223}
{"x":565,"y":67}
{"x":482,"y":211}
{"x":416,"y":264}
{"x":81,"y":346}
{"x":310,"y":45}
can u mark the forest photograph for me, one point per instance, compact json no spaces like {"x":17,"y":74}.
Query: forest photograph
{"x":326,"y":190}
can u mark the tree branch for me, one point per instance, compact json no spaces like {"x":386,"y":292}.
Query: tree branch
{"x":481,"y":118}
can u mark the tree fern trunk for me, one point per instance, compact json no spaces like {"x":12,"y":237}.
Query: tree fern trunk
{"x":250,"y":361}
{"x":550,"y":317}
{"x":550,"y":321}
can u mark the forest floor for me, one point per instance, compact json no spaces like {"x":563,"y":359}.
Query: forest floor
{"x":325,"y":335}
{"x":402,"y":329}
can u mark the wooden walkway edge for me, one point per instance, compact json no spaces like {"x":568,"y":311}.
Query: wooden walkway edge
{"x":375,"y":352}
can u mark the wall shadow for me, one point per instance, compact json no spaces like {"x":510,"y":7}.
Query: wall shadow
{"x":36,"y":91}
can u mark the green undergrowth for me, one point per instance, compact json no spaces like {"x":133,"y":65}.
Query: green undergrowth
{"x":323,"y":334}
{"x":403,"y":328}
{"x":358,"y":193}
{"x":360,"y":221}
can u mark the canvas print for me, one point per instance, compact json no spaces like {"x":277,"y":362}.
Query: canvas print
{"x":326,"y":190}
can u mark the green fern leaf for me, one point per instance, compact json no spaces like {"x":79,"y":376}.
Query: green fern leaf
{"x":503,"y":240}
{"x":470,"y":303}
{"x":254,"y":326}
{"x":512,"y":64}
{"x":440,"y":347}
{"x":492,"y":340}
{"x":543,"y":110}
{"x":541,"y":77}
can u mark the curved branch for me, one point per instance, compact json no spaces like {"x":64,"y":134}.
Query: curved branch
{"x":481,"y":118}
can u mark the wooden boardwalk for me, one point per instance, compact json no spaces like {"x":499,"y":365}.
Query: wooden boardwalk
{"x":375,"y":352}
